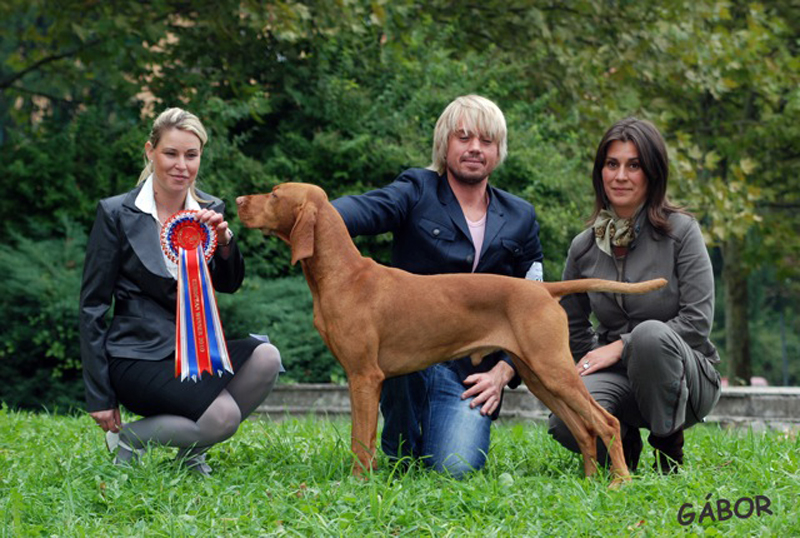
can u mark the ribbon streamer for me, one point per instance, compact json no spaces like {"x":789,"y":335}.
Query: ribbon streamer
{"x":199,"y":340}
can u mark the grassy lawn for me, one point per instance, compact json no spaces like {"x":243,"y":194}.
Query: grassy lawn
{"x":291,"y":478}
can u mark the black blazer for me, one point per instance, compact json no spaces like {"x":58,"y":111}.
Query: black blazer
{"x":124,"y":263}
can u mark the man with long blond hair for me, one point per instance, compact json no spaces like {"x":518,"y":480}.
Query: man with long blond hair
{"x":448,"y":219}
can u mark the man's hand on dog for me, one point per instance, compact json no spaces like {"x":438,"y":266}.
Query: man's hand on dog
{"x":487,"y":387}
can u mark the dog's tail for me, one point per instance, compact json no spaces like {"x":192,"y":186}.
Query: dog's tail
{"x":567,"y":287}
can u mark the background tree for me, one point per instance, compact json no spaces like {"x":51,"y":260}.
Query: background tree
{"x":345,"y":95}
{"x":731,"y":111}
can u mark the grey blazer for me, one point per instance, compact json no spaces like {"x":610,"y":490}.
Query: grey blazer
{"x":686,"y":304}
{"x":124,"y":263}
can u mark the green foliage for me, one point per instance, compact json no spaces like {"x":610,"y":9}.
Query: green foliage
{"x":345,"y":95}
{"x":62,"y":171}
{"x":291,"y":478}
{"x":775,"y":323}
{"x":39,"y":353}
{"x":543,"y":168}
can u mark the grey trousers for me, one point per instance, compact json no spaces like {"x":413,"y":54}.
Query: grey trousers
{"x":660,"y":384}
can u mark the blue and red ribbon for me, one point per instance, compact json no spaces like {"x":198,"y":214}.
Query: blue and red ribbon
{"x":199,"y":341}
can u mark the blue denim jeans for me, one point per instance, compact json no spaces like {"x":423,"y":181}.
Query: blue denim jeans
{"x":425,"y":417}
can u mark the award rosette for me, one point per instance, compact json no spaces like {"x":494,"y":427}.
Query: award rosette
{"x":199,"y":341}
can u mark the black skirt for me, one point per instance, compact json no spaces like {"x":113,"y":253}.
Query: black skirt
{"x":150,"y":388}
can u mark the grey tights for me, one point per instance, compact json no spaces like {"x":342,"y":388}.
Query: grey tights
{"x":248,"y":388}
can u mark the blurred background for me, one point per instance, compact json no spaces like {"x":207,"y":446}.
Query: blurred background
{"x":345,"y":94}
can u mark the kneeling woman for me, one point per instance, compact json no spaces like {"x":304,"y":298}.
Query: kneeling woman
{"x":131,"y":360}
{"x":649,"y":361}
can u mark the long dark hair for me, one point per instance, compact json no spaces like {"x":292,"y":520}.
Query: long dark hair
{"x":655,"y":163}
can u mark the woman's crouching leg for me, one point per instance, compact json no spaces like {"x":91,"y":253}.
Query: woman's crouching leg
{"x":255,"y":380}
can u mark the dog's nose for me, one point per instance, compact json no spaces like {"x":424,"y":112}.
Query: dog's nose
{"x":240,"y":200}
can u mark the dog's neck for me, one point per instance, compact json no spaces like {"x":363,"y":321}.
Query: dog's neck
{"x":335,"y":255}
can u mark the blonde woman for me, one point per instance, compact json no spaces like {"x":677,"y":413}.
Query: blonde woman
{"x":130,"y":359}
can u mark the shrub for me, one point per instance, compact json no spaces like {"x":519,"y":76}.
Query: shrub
{"x":39,"y":291}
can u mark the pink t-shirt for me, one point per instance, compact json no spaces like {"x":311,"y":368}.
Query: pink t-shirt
{"x":477,"y":230}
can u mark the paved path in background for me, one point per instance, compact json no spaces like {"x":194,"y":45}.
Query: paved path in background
{"x":756,"y":407}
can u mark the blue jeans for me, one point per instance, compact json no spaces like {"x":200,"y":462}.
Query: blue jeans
{"x":425,"y":417}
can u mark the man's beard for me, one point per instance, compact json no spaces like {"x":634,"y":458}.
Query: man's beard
{"x":466,"y":180}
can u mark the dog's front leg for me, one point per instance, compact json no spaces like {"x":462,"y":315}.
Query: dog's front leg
{"x":365,"y":393}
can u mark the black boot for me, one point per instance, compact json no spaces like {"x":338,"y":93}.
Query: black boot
{"x":632,"y":448}
{"x":668,"y":452}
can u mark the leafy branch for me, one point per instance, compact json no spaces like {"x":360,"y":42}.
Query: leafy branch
{"x":7,"y":82}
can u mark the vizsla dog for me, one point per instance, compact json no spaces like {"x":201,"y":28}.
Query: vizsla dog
{"x":381,"y":322}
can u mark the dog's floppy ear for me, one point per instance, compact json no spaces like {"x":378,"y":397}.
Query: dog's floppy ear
{"x":301,"y":238}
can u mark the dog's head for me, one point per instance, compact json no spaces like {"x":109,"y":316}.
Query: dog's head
{"x":288,"y":212}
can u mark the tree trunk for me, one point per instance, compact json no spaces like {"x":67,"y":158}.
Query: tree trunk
{"x":737,"y":331}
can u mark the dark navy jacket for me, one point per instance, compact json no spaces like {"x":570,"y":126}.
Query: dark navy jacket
{"x":430,"y":233}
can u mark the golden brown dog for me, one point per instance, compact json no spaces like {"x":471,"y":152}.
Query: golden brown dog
{"x":381,"y":322}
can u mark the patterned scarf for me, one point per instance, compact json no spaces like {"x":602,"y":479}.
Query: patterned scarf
{"x":612,"y":231}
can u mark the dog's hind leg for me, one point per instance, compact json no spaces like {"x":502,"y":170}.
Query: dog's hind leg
{"x":610,"y":434}
{"x":598,"y":422}
{"x":584,"y":437}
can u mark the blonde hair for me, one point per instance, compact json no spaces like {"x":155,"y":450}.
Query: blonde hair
{"x":173,"y":118}
{"x":472,"y":113}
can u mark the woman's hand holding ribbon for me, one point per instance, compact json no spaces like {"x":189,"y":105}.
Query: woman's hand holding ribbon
{"x":218,"y":223}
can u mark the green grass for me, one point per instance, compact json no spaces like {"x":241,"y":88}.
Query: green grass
{"x":291,"y":478}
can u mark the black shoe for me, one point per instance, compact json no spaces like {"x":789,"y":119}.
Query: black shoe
{"x":194,"y":461}
{"x":668,"y":452}
{"x":632,"y":448}
{"x":197,"y":464}
{"x":123,"y":453}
